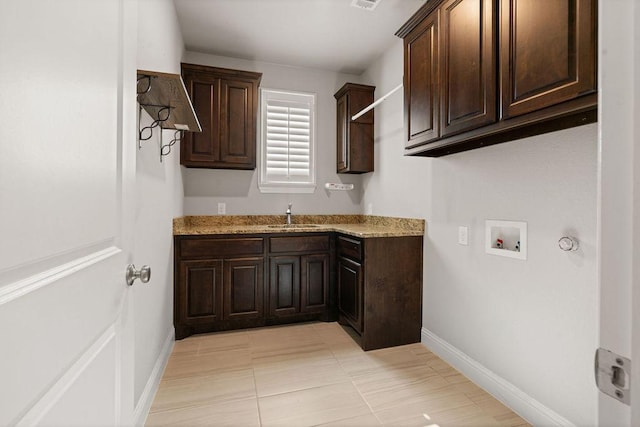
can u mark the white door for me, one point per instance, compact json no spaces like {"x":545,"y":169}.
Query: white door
{"x":619,"y":198}
{"x":67,"y":141}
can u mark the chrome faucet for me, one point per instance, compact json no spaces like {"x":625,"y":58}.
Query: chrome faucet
{"x":289,"y":214}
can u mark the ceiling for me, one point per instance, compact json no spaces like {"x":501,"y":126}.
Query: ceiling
{"x":322,"y":34}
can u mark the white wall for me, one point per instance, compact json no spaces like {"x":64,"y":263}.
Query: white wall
{"x":532,"y":323}
{"x":204,"y":188}
{"x":159,"y":195}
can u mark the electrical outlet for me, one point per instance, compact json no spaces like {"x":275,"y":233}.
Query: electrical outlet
{"x":370,"y":209}
{"x":222,"y":208}
{"x":463,"y":235}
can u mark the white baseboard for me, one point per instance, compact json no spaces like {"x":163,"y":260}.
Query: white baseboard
{"x":141,"y":411}
{"x":521,"y":403}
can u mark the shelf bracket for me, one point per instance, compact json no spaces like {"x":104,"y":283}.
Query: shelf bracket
{"x":165,"y":149}
{"x":142,"y":78}
{"x":162,"y":116}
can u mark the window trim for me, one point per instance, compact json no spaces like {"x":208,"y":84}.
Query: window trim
{"x":272,"y":186}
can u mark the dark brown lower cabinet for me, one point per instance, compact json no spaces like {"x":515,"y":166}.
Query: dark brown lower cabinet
{"x":220,"y":281}
{"x":350,"y":292}
{"x":200,"y":284}
{"x":372,"y":285}
{"x":380,"y":289}
{"x":315,"y":283}
{"x":243,"y":288}
{"x":299,"y":284}
{"x":218,"y":294}
{"x":299,"y":278}
{"x":284,"y":285}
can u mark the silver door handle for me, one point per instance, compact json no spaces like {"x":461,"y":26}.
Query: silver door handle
{"x":144,"y":274}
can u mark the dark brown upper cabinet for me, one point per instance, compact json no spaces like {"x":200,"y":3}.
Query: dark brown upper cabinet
{"x":421,"y":111}
{"x":467,"y":79}
{"x":354,"y":137}
{"x":226,"y":103}
{"x":547,"y":54}
{"x":481,"y":72}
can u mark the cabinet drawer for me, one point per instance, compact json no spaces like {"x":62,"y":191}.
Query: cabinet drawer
{"x":350,"y":247}
{"x":198,"y":248}
{"x":299,"y":244}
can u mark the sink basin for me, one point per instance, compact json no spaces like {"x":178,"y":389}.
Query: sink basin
{"x":292,"y":226}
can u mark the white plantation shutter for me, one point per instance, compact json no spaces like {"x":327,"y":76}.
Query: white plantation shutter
{"x":287,"y":161}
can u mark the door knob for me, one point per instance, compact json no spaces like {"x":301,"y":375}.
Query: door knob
{"x":144,"y":274}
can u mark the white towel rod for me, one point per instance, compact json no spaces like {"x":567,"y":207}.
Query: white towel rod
{"x":355,"y":117}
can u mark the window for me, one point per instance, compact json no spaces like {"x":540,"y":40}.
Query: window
{"x":287,"y":156}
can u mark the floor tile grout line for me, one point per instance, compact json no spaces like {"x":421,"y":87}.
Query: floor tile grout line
{"x":255,"y":390}
{"x":365,"y":401}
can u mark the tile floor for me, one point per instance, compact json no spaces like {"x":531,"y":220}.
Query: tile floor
{"x":314,"y":374}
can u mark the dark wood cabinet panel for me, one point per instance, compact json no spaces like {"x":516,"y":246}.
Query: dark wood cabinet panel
{"x":350,"y":292}
{"x":202,"y":146}
{"x":421,"y":101}
{"x":310,"y":243}
{"x":202,"y":247}
{"x":392,"y":307}
{"x":244,"y":286}
{"x":354,"y":137}
{"x":342,"y":134}
{"x":314,"y":283}
{"x":201,"y":284}
{"x":547,"y":54}
{"x":458,"y":98}
{"x":350,"y":247}
{"x":236,"y":113}
{"x":467,"y":52}
{"x":284,"y":285}
{"x":226,"y":104}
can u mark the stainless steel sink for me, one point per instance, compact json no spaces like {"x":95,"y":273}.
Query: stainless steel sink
{"x":285,"y":226}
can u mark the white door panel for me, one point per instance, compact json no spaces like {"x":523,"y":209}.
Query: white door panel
{"x":58,"y":79}
{"x":51,"y":328}
{"x":67,"y":158}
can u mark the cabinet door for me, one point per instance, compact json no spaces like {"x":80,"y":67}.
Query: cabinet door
{"x":354,"y":137}
{"x":202,"y":148}
{"x":342,"y":134}
{"x":284,"y":285}
{"x":243,"y":288}
{"x":547,"y":53}
{"x":314,"y":278}
{"x":237,"y":124}
{"x":199,"y":293}
{"x":421,"y":107}
{"x":468,"y":73}
{"x":350,"y":295}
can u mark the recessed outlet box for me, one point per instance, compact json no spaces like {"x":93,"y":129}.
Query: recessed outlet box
{"x":222,"y":208}
{"x":506,"y":238}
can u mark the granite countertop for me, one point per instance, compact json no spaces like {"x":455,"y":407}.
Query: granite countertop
{"x":362,"y":226}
